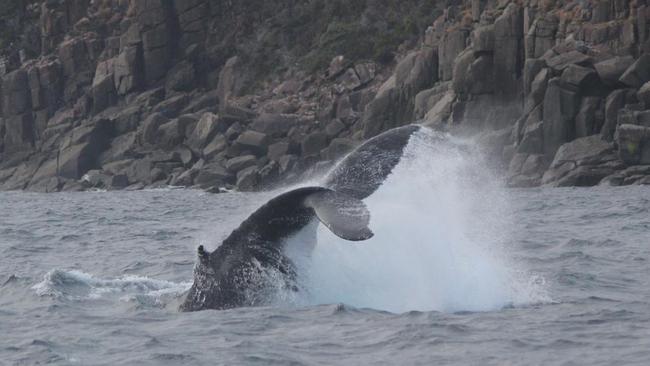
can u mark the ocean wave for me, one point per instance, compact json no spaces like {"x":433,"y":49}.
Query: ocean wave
{"x":76,"y":285}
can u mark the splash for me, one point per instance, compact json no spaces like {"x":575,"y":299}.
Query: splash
{"x":77,"y":285}
{"x":441,"y":224}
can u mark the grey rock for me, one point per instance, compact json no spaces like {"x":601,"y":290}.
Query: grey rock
{"x":240,"y":163}
{"x":276,"y":125}
{"x":612,"y":69}
{"x":287,"y":163}
{"x":632,"y":142}
{"x":532,"y":141}
{"x":103,"y":86}
{"x":334,"y":128}
{"x":614,"y":102}
{"x":579,"y":76}
{"x":218,"y":145}
{"x":638,"y":73}
{"x":538,"y":89}
{"x":560,"y":107}
{"x":16,"y":96}
{"x":277,"y":150}
{"x":171,"y":134}
{"x":148,"y":133}
{"x":171,"y":107}
{"x":483,"y":39}
{"x":509,"y":55}
{"x":590,"y":118}
{"x":180,"y":77}
{"x":76,"y":160}
{"x":205,"y":129}
{"x":564,"y":60}
{"x":213,"y":174}
{"x":128,"y":70}
{"x":582,"y":162}
{"x":248,"y":179}
{"x":255,"y":141}
{"x":19,"y":133}
{"x":313,"y":143}
{"x":644,"y":95}
{"x":532,"y":67}
{"x":451,"y":45}
{"x":338,"y":148}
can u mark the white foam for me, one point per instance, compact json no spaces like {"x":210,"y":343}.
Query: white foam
{"x":441,"y":222}
{"x":77,"y":285}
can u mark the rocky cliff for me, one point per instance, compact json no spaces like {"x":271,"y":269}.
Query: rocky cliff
{"x":135,"y":93}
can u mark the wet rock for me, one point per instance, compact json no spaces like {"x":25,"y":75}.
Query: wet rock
{"x":96,"y":179}
{"x":76,"y":160}
{"x":248,"y":179}
{"x":213,"y":174}
{"x":269,"y":173}
{"x":287,"y":163}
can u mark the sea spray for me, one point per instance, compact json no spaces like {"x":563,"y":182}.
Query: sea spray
{"x":441,"y":223}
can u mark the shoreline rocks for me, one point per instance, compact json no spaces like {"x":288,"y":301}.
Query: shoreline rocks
{"x":125,"y":94}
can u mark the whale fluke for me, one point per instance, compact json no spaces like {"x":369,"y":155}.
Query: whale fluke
{"x":345,"y":216}
{"x":289,"y":212}
{"x":365,"y":169}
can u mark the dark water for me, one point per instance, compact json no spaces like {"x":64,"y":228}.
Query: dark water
{"x":591,"y":247}
{"x":478,"y":276}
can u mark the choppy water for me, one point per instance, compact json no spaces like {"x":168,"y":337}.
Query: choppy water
{"x":459,"y":272}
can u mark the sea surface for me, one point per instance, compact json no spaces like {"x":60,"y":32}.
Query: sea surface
{"x":460,"y":272}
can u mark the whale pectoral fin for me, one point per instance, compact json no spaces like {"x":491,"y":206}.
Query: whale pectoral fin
{"x":345,"y":216}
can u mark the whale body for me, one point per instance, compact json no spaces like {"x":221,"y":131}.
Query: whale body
{"x":236,"y":274}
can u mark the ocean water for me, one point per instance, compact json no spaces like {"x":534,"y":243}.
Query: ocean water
{"x":460,"y":272}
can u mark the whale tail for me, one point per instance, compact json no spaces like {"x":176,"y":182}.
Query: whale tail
{"x":365,"y":169}
{"x":284,"y":215}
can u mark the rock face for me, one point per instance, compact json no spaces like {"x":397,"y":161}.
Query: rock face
{"x":239,"y":94}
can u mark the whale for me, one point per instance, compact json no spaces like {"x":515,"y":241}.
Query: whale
{"x":249,"y":263}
